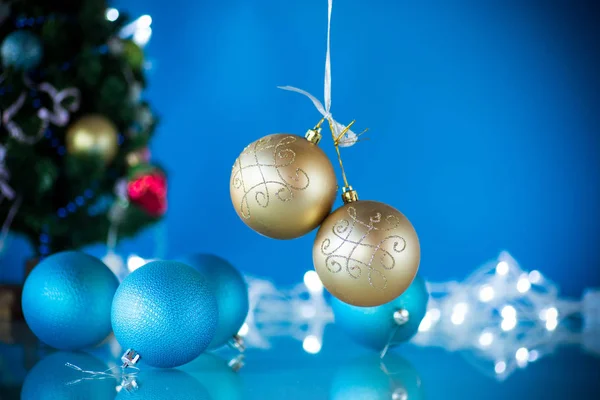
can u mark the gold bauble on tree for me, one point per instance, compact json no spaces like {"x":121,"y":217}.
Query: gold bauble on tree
{"x":283,"y":186}
{"x":366,"y":253}
{"x":93,"y":135}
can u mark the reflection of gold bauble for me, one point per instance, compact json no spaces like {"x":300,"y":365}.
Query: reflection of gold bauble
{"x":366,"y":253}
{"x":282,"y":186}
{"x":93,"y":135}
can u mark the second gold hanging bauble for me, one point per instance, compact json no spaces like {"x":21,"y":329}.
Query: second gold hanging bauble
{"x":283,"y":186}
{"x":366,"y":252}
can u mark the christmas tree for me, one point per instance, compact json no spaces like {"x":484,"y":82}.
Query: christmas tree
{"x":74,"y":163}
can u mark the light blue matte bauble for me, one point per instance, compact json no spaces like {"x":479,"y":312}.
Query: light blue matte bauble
{"x":21,"y":50}
{"x":231,"y":292}
{"x":219,"y":379}
{"x":161,"y":384}
{"x":50,"y":379}
{"x":375,"y":379}
{"x":67,"y":298}
{"x":373,"y":326}
{"x":166,"y":312}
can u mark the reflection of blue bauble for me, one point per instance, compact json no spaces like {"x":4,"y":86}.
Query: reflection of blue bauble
{"x":375,"y":379}
{"x":231,"y":291}
{"x":67,"y":299}
{"x":50,"y":379}
{"x":171,"y":384}
{"x":213,"y":372}
{"x":373,"y":326}
{"x":21,"y":50}
{"x":166,"y":312}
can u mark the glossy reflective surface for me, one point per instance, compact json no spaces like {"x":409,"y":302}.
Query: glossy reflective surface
{"x":340,"y":370}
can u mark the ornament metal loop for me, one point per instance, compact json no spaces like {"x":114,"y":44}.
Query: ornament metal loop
{"x":236,"y":363}
{"x":401,"y":317}
{"x":130,"y":358}
{"x":237,"y":343}
{"x":349,"y":195}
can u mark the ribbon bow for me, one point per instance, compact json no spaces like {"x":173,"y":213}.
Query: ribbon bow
{"x":349,"y":138}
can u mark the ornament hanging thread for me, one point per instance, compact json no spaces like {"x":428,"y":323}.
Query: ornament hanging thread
{"x":366,"y":253}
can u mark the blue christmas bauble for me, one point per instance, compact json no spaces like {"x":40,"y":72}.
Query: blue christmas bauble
{"x":375,"y":379}
{"x":171,"y":384}
{"x":231,"y":292}
{"x":51,"y":379}
{"x":215,"y":374}
{"x":67,"y":298}
{"x":373,"y":326}
{"x":21,"y":50}
{"x":166,"y":312}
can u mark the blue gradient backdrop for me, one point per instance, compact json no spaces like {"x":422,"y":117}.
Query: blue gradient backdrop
{"x":484,"y":120}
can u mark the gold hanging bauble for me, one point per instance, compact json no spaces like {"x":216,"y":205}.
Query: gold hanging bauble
{"x":93,"y":135}
{"x":282,"y":185}
{"x":366,"y":253}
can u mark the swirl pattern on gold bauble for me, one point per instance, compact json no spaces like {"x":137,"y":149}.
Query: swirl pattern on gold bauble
{"x":366,"y":253}
{"x":282,"y":186}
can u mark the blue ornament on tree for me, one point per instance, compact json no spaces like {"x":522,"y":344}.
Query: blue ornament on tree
{"x":231,"y":292}
{"x":390,"y":323}
{"x":51,"y":379}
{"x":67,"y":299}
{"x":166,"y":313}
{"x":21,"y":50}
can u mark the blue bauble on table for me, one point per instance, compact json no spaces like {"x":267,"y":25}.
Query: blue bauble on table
{"x":369,"y":377}
{"x":373,"y":326}
{"x":231,"y":292}
{"x":67,"y":300}
{"x":51,"y":379}
{"x":166,"y":312}
{"x":21,"y":50}
{"x":221,"y":381}
{"x":160,"y":384}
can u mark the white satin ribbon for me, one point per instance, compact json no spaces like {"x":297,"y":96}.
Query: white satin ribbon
{"x":60,"y":114}
{"x":349,"y":138}
{"x":5,"y":189}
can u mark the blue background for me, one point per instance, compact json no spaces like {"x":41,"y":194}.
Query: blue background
{"x":483,"y":117}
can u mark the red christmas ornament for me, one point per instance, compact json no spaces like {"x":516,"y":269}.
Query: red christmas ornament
{"x":149,"y":191}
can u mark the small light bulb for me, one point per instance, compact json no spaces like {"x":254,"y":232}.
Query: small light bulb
{"x":486,"y":293}
{"x":500,"y":367}
{"x":508,"y":312}
{"x":486,"y":339}
{"x":311,"y":344}
{"x":144,"y":21}
{"x":244,"y":330}
{"x":425,"y":324}
{"x":112,"y":14}
{"x":460,"y":308}
{"x":508,"y":324}
{"x":535,"y":276}
{"x":522,"y":355}
{"x":502,"y":268}
{"x":551,"y":324}
{"x":523,"y":284}
{"x":457,"y":318}
{"x":134,"y":262}
{"x":313,"y":282}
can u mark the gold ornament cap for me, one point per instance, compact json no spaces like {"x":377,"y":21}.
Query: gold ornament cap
{"x":314,"y":135}
{"x":349,"y":195}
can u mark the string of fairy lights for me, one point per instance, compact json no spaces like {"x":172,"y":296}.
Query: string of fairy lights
{"x":501,"y":317}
